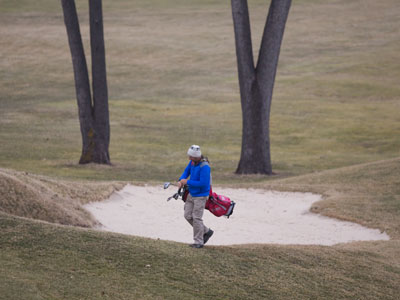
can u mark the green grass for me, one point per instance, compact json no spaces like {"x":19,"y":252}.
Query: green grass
{"x":335,"y":102}
{"x":173,"y":82}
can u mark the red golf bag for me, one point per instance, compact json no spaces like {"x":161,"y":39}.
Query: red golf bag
{"x":219,"y":205}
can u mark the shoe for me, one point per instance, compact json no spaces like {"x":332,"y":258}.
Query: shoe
{"x":207,"y":235}
{"x":197,"y":246}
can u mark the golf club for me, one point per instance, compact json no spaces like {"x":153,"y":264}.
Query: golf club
{"x":167,"y":184}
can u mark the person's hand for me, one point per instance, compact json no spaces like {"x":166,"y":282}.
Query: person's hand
{"x":183,"y":181}
{"x":179,"y":184}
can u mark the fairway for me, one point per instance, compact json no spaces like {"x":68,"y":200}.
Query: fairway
{"x":172,"y":82}
{"x":335,"y":100}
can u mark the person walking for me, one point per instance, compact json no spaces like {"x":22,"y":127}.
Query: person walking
{"x":199,"y":184}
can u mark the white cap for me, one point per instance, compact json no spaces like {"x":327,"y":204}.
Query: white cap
{"x":194,"y":151}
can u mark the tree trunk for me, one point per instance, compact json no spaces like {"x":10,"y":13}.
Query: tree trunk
{"x":256,"y":84}
{"x":93,"y":119}
{"x":99,"y":84}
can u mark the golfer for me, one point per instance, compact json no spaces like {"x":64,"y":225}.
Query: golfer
{"x":199,"y":189}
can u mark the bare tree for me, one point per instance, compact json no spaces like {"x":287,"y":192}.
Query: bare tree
{"x":257,"y":83}
{"x":93,"y":113}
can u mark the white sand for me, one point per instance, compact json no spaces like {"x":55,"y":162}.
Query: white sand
{"x":259,"y":217}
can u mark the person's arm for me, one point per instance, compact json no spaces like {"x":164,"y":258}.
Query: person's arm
{"x":183,"y":179}
{"x":204,"y":178}
{"x":185,"y":173}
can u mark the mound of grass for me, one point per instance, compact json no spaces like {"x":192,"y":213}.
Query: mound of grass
{"x":51,"y":200}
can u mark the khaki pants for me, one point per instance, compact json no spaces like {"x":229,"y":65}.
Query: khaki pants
{"x":194,"y":209}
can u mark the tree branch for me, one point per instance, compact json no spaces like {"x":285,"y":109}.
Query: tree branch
{"x":82,"y":85}
{"x":244,"y":50}
{"x":271,"y":44}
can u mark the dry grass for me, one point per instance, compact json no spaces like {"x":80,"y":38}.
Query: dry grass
{"x":53,"y":262}
{"x":172,"y":76}
{"x":51,"y":200}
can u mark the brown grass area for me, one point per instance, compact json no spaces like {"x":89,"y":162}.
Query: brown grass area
{"x":56,"y":201}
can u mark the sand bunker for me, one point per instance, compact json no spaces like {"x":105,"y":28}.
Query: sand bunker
{"x":259,"y":217}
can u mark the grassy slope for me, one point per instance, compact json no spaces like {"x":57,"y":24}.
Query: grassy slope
{"x":335,"y":105}
{"x":43,"y":261}
{"x":39,"y":197}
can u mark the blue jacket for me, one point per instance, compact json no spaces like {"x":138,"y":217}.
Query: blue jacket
{"x":200,"y":178}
